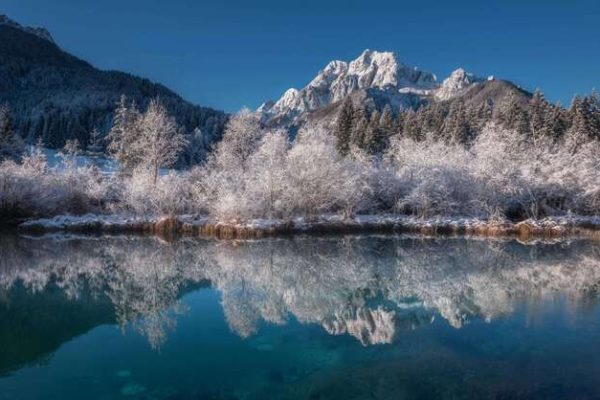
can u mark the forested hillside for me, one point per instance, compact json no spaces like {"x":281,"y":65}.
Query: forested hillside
{"x":57,"y":97}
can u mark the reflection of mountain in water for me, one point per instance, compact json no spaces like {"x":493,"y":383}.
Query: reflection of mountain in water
{"x":370,"y":287}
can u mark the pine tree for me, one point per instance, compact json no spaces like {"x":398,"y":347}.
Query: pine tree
{"x":95,"y":141}
{"x":581,"y":129}
{"x":539,"y":114}
{"x":556,"y":121}
{"x":513,"y":116}
{"x":360,"y":128}
{"x":594,"y":110}
{"x":411,"y":128}
{"x":456,"y":127}
{"x":386,"y":123}
{"x":436,"y":119}
{"x":399,"y":124}
{"x":124,"y":134}
{"x":11,"y":144}
{"x":374,"y":137}
{"x":343,"y":127}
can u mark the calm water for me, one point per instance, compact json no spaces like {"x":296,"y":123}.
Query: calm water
{"x":303,"y":318}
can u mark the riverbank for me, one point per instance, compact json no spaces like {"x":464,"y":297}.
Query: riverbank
{"x":188,"y":225}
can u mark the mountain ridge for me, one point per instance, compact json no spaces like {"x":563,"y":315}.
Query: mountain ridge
{"x":56,"y":96}
{"x":377,"y":80}
{"x":374,"y":80}
{"x":40,"y":32}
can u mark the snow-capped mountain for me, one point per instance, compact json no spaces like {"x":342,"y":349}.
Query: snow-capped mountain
{"x":457,"y":83}
{"x":375,"y":78}
{"x":372,"y":70}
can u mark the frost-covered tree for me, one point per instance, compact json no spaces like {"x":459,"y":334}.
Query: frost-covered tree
{"x":386,"y":123}
{"x":582,"y":127}
{"x":411,"y":128}
{"x":149,"y":140}
{"x":69,"y":153}
{"x":95,"y":141}
{"x":456,"y":126}
{"x":539,"y":114}
{"x":320,"y":178}
{"x":160,"y":141}
{"x":267,"y":181}
{"x":512,"y":115}
{"x":123,"y":135}
{"x":240,"y":139}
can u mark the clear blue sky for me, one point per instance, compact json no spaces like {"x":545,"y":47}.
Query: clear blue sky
{"x":228,"y":54}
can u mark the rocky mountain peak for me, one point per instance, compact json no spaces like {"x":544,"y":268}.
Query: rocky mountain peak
{"x":372,"y":70}
{"x":455,"y":84}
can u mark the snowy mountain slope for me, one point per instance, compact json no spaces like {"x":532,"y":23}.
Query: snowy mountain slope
{"x":374,"y":81}
{"x":457,"y":83}
{"x":380,"y":74}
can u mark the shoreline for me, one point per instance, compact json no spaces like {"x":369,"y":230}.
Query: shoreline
{"x":188,"y":225}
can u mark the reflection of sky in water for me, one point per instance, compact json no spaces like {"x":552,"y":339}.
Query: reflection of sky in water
{"x":376,"y":317}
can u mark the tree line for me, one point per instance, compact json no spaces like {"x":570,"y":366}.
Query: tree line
{"x":459,"y":121}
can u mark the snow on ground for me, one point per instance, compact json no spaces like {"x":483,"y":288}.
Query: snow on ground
{"x":106,"y":165}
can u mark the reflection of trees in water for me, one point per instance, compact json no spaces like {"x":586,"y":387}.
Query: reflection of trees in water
{"x":143,"y":278}
{"x":369,"y":288}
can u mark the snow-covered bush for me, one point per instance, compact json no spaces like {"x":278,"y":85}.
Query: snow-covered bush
{"x":255,"y":173}
{"x":31,"y":188}
{"x":321,"y":180}
{"x":279,"y":180}
{"x":501,"y":172}
{"x":433,"y":177}
{"x":170,"y":195}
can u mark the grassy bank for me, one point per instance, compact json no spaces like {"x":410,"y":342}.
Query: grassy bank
{"x":187,"y":225}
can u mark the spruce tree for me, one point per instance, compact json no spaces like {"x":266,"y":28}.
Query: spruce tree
{"x":556,"y":121}
{"x":123,"y":135}
{"x":594,"y":110}
{"x":581,"y":127}
{"x":360,"y":128}
{"x":539,"y":114}
{"x":399,"y":124}
{"x":374,"y":137}
{"x":456,"y":128}
{"x":343,"y":126}
{"x":513,"y":116}
{"x":11,"y":144}
{"x":386,"y":123}
{"x":411,"y":128}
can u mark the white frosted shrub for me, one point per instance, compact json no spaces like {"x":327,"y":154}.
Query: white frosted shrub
{"x":267,"y":184}
{"x":32,"y":189}
{"x":433,"y":177}
{"x":170,"y":195}
{"x":320,"y":180}
{"x":253,"y":174}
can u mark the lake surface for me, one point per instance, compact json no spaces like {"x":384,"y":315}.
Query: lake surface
{"x":375,"y":317}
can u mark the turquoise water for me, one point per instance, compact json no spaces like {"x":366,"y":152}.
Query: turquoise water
{"x":374,"y":317}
